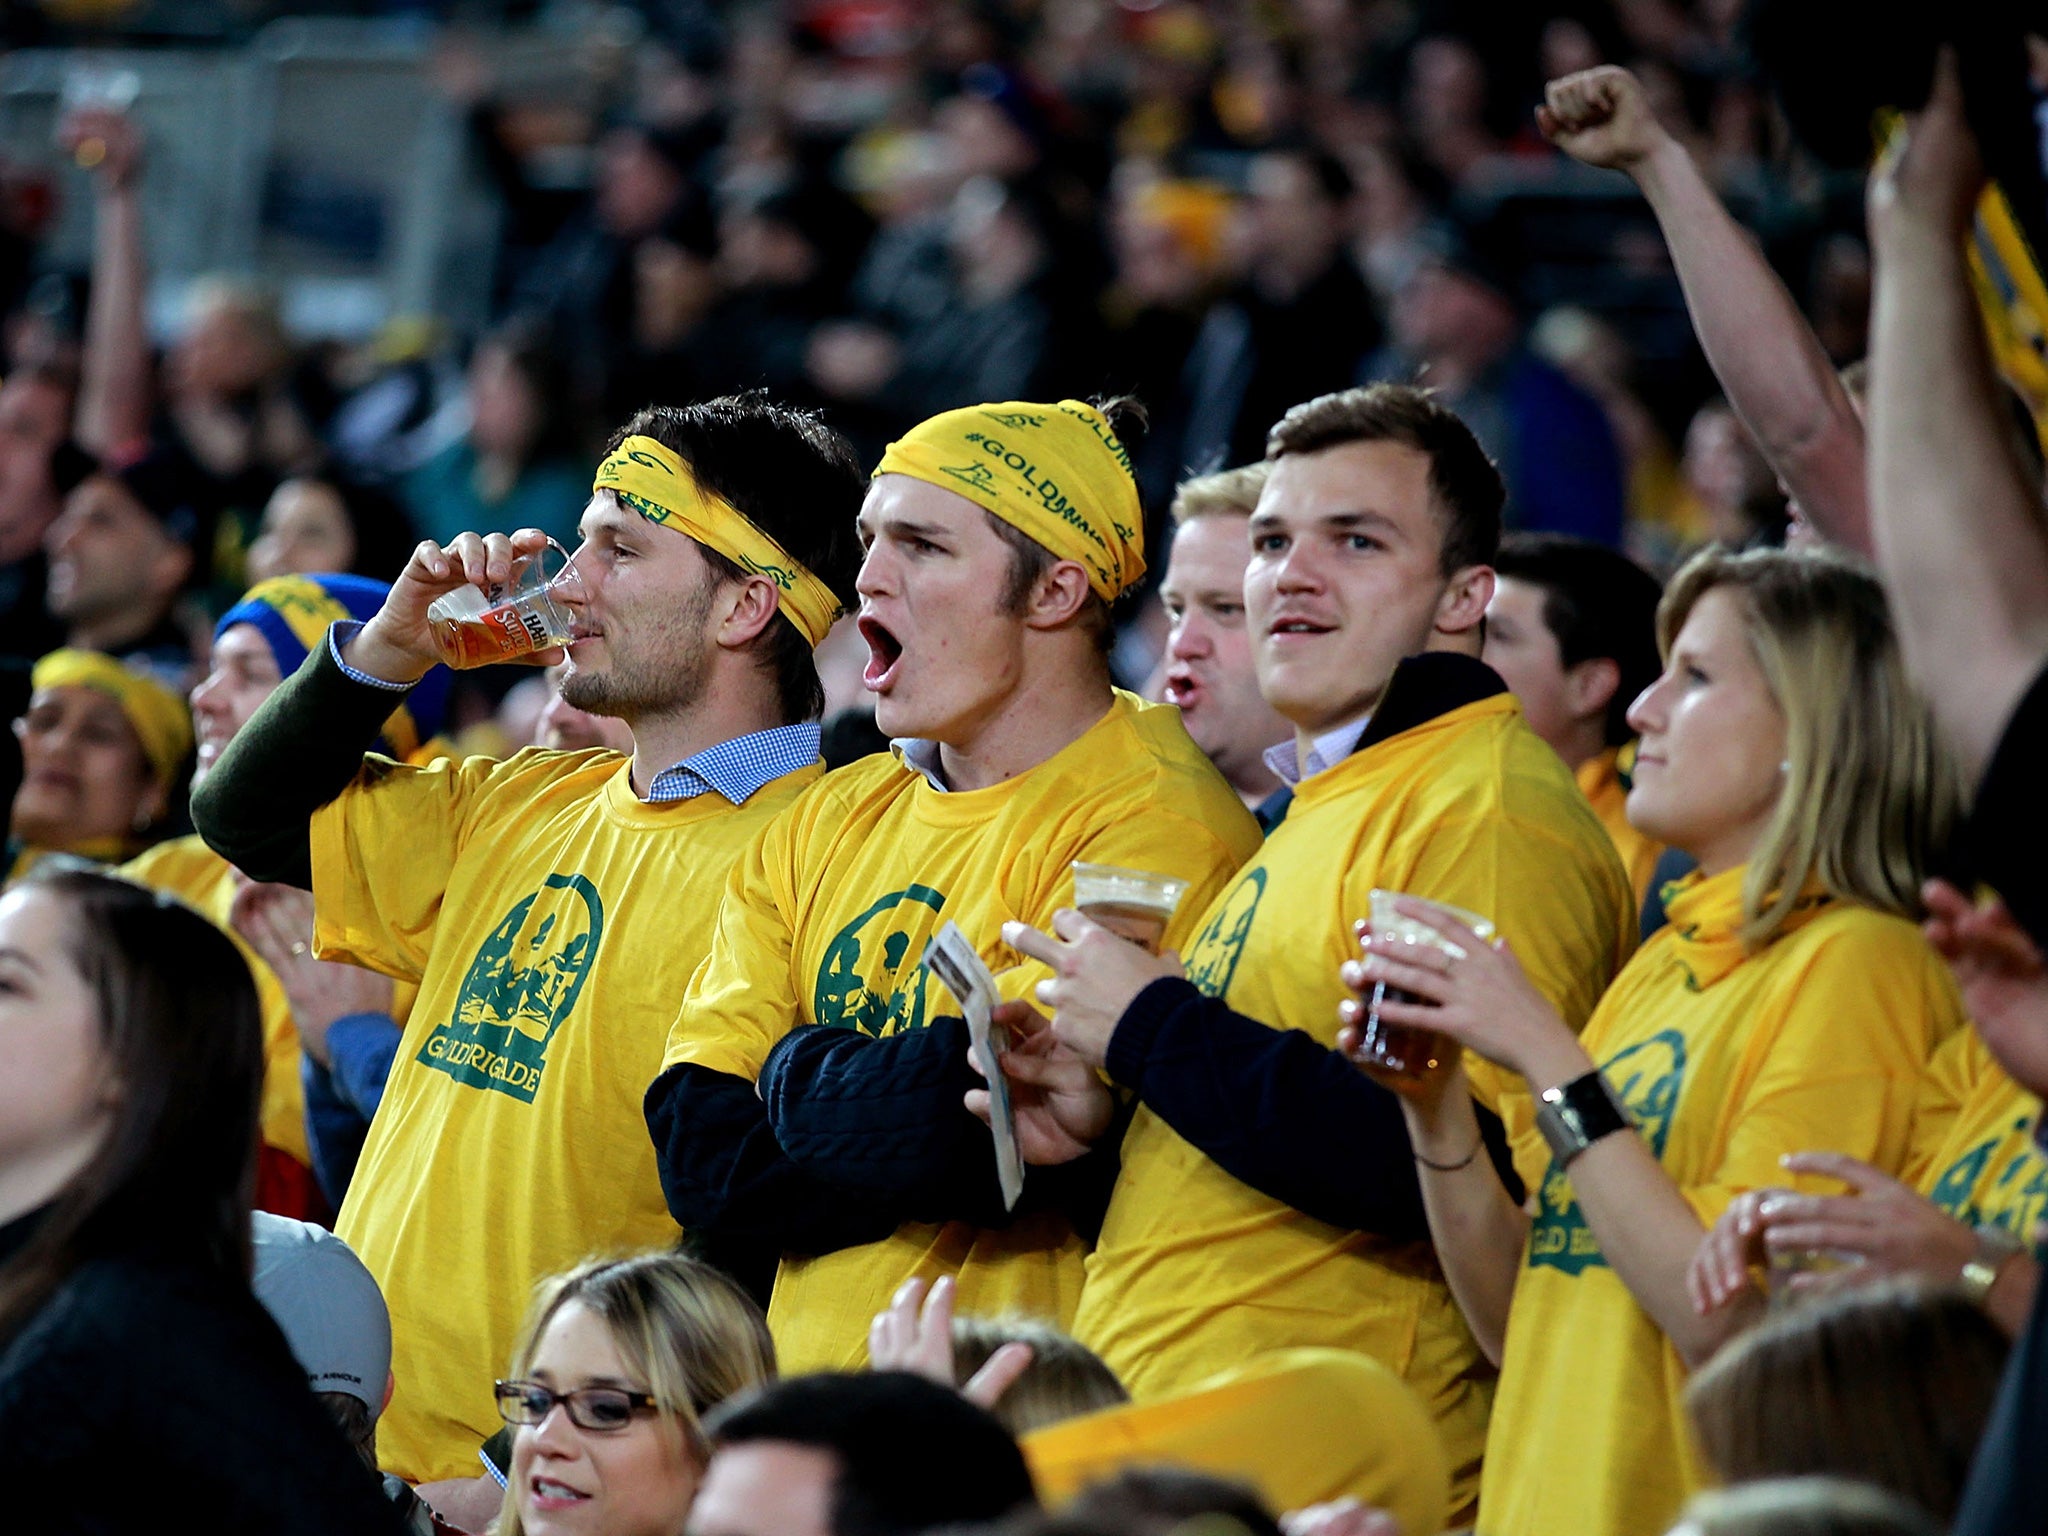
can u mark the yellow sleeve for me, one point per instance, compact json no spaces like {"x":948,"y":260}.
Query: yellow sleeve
{"x":743,"y":997}
{"x":382,"y":853}
{"x":1953,"y":1073}
{"x":1839,"y":1064}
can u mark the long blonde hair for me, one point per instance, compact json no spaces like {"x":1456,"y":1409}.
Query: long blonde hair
{"x":690,"y":1332}
{"x":1870,"y":794}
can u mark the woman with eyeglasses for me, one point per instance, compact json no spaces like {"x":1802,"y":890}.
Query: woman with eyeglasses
{"x":619,"y":1365}
{"x":138,"y":1373}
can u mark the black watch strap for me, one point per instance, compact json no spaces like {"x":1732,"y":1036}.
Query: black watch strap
{"x":1576,"y":1114}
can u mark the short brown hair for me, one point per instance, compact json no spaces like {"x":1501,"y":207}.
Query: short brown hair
{"x":1888,"y":1384}
{"x":1233,"y":492}
{"x":1464,"y":483}
{"x":1064,"y":1380}
{"x":1030,"y":560}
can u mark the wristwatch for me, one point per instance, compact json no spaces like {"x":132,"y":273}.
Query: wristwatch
{"x":1574,"y":1115}
{"x":1995,"y":1246}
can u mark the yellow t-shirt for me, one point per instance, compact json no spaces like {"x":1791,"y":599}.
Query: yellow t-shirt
{"x":1605,"y":780}
{"x":1973,"y":1143}
{"x":826,"y":921}
{"x":551,"y":920}
{"x":1195,"y":1271}
{"x":1817,"y":1042}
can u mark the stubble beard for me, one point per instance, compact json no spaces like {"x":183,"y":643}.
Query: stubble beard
{"x":670,"y":679}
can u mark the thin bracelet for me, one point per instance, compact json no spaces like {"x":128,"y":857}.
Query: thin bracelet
{"x":1463,"y":1162}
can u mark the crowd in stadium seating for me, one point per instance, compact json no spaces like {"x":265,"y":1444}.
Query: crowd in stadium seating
{"x":1137,"y":447}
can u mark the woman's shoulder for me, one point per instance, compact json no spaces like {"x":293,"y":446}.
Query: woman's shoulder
{"x":1849,"y":932}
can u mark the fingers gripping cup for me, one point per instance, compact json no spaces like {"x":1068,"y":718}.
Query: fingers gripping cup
{"x":1133,"y":903}
{"x":475,"y":626}
{"x":1396,"y":1048}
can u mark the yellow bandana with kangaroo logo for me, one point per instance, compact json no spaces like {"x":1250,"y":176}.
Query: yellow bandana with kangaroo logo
{"x":654,"y":481}
{"x":1056,"y":473}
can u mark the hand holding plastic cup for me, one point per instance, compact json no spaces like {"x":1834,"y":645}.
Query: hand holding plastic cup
{"x":475,"y":626}
{"x":1400,"y":1049}
{"x":1135,"y":904}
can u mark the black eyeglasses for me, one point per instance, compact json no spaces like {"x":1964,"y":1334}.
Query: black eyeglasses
{"x":603,"y":1409}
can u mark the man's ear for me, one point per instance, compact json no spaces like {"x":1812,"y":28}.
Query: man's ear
{"x":1462,"y":608}
{"x":1590,"y":686}
{"x":751,"y":606}
{"x":1059,"y":595}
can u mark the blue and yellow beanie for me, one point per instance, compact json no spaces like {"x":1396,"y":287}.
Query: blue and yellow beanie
{"x":293,"y":613}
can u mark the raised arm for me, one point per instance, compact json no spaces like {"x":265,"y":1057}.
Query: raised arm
{"x":1959,"y":522}
{"x":114,"y":395}
{"x":1769,"y":363}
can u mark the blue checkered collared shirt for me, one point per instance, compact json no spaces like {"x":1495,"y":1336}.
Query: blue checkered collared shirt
{"x":734,"y":769}
{"x":738,"y":767}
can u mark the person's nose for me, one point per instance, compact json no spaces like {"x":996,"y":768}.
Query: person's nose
{"x":876,"y":578}
{"x":574,"y":586}
{"x":203,"y":695}
{"x":61,"y":535}
{"x":556,"y":1433}
{"x":1297,"y":571}
{"x":1647,"y":713}
{"x":1188,"y":637}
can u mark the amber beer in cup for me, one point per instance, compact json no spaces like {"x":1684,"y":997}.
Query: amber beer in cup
{"x":475,"y":626}
{"x":1401,"y":1049}
{"x":1132,"y":903}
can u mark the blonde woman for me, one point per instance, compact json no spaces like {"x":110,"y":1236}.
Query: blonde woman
{"x":1791,"y":1004}
{"x":620,"y":1362}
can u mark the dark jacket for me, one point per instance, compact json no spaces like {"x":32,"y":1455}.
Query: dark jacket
{"x":150,"y":1391}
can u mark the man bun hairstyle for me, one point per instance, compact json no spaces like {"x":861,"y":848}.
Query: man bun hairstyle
{"x":792,"y":477}
{"x":1467,"y":488}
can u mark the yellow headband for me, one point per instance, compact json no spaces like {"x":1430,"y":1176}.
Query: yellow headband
{"x":655,"y":482}
{"x":157,"y":715}
{"x":1056,"y":473}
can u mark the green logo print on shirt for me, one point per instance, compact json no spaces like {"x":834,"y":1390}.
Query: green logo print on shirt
{"x":1646,"y":1078}
{"x":2015,"y":1199}
{"x":872,"y":977}
{"x":1212,"y":958}
{"x":522,"y":984}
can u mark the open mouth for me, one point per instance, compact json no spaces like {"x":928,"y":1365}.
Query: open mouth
{"x":884,"y":652}
{"x":545,"y":1490}
{"x":1182,"y":689}
{"x":1295,"y":629}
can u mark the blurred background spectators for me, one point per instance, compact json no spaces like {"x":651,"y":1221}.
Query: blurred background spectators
{"x":374,"y":271}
